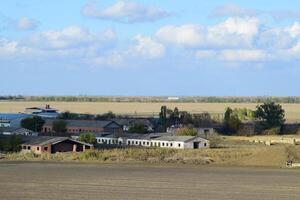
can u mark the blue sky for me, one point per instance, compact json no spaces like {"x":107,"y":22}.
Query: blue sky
{"x":109,"y":47}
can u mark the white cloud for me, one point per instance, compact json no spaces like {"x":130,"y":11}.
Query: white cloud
{"x":189,"y":35}
{"x":242,"y":55}
{"x":26,"y":23}
{"x":233,"y":10}
{"x":148,"y":48}
{"x":294,"y":30}
{"x":239,"y":31}
{"x":234,"y":32}
{"x":72,"y":37}
{"x":230,"y":10}
{"x":125,"y":12}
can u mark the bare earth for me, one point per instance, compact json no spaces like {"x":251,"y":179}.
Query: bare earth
{"x":27,"y":180}
{"x":292,"y":110}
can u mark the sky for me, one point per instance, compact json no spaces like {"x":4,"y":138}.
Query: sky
{"x":150,"y":48}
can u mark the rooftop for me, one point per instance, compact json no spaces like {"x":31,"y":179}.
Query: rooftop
{"x":44,"y":140}
{"x":82,"y":123}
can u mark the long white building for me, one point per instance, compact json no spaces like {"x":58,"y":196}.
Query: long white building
{"x":162,"y":140}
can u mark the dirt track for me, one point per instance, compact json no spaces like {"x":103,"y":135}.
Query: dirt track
{"x":92,"y":181}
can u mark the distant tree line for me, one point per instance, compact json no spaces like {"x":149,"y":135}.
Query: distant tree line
{"x":78,"y":116}
{"x":186,"y":99}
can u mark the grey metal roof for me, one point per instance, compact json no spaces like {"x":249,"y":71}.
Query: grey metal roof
{"x":82,"y":123}
{"x":175,"y":138}
{"x":44,"y":140}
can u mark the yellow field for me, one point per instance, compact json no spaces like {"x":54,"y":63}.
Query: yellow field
{"x":292,"y":110}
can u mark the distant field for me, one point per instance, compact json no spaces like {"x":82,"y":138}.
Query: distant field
{"x":292,"y":110}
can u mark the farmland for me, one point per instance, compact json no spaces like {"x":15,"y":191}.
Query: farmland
{"x":27,"y":180}
{"x":292,"y":110}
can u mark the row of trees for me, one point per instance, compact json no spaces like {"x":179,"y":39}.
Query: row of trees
{"x":106,"y":116}
{"x":267,"y":116}
{"x":168,"y":117}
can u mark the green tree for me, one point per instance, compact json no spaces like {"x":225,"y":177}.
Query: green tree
{"x":11,"y":143}
{"x":202,"y":120}
{"x":33,"y":123}
{"x":88,"y":138}
{"x":231,"y":120}
{"x":59,"y":126}
{"x":138,"y":128}
{"x":234,"y":123}
{"x":163,"y":117}
{"x":106,"y":116}
{"x":227,"y":115}
{"x":270,"y":115}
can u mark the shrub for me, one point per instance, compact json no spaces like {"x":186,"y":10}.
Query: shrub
{"x":187,"y":132}
{"x":214,"y":140}
{"x":272,"y":131}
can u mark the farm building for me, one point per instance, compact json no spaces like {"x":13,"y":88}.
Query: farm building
{"x":45,"y":112}
{"x":46,"y":144}
{"x":4,"y":123}
{"x":80,"y":126}
{"x":163,"y":140}
{"x":17,"y":131}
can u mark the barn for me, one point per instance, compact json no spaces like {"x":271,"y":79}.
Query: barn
{"x":45,"y":144}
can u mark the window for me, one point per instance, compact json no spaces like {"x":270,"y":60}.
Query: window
{"x":144,"y":143}
{"x":136,"y":142}
{"x":179,"y":145}
{"x":45,"y":148}
{"x":38,"y":148}
{"x":163,"y":144}
{"x":28,"y":147}
{"x":128,"y":142}
{"x":205,"y":144}
{"x":171,"y":144}
{"x":24,"y":147}
{"x":167,"y":144}
{"x":148,"y":143}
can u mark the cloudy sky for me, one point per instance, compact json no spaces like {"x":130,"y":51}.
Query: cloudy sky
{"x":153,"y":47}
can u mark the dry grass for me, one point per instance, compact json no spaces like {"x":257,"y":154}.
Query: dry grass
{"x":235,"y":155}
{"x":292,"y":110}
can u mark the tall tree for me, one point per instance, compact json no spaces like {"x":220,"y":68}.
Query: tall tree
{"x":270,"y":115}
{"x":163,"y":117}
{"x":33,"y":123}
{"x":59,"y":126}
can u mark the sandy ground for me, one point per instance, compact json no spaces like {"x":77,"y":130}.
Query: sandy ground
{"x":27,"y":180}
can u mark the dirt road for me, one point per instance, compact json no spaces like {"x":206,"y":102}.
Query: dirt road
{"x":105,"y":181}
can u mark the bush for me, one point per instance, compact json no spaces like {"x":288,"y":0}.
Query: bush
{"x":272,"y":131}
{"x":214,"y":140}
{"x":88,"y":138}
{"x":187,"y":132}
